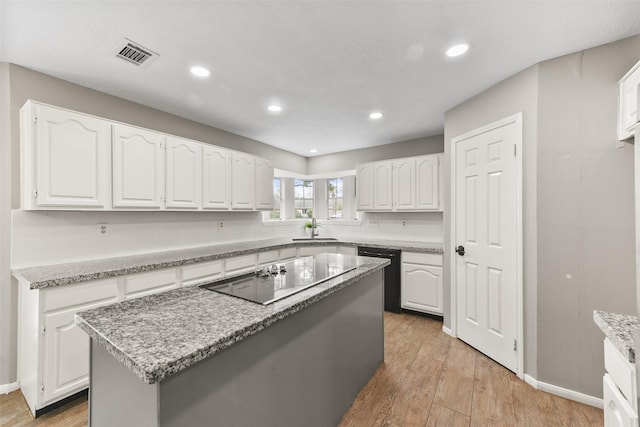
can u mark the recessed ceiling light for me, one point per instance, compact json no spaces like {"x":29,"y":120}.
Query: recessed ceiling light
{"x":200,"y":71}
{"x":375,"y":115}
{"x":274,"y":108}
{"x":457,"y":50}
{"x":313,"y":150}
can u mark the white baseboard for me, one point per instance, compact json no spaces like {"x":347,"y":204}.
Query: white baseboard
{"x":564,"y":392}
{"x":8,"y":388}
{"x":447,"y":331}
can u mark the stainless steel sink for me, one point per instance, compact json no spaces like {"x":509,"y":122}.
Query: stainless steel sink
{"x":316,"y":239}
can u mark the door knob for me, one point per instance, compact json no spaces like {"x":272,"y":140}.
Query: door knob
{"x":460,"y":250}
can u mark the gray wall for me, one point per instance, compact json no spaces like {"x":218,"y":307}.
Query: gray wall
{"x":347,"y":160}
{"x":22,"y":84}
{"x":516,"y":94}
{"x":578,"y":205}
{"x":586,"y":220}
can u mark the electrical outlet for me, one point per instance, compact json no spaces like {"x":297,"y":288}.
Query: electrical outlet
{"x":403,"y":223}
{"x":220,"y":225}
{"x":373,"y":222}
{"x":103,"y":230}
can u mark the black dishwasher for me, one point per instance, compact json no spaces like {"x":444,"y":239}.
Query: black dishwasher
{"x":391,"y":275}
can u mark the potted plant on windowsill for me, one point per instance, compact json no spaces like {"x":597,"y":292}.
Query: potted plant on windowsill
{"x":308,"y":228}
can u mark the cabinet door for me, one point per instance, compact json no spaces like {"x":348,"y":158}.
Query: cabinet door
{"x":628,"y":108}
{"x":428,"y":182}
{"x":216,"y":175}
{"x":364,"y":187}
{"x":183,"y":174}
{"x":382,"y":185}
{"x":421,"y":288}
{"x":243,"y":181}
{"x":617,"y":412}
{"x":138,"y":168}
{"x":264,"y":184}
{"x":404,"y":184}
{"x":73,"y":159}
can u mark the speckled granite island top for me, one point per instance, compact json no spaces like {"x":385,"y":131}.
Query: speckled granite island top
{"x":159,"y":335}
{"x":63,"y":274}
{"x":619,"y":329}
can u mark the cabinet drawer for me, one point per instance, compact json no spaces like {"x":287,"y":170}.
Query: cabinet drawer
{"x":240,"y":264}
{"x":201,"y":272}
{"x":269,"y":257}
{"x":617,"y":411}
{"x":84,"y":293}
{"x":312,"y":250}
{"x":288,"y":254}
{"x":621,"y":371}
{"x":149,"y":283}
{"x":421,"y":258}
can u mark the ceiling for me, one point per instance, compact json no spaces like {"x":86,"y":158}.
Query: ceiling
{"x":327,"y":63}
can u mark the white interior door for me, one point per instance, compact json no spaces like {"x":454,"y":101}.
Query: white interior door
{"x":486,"y":225}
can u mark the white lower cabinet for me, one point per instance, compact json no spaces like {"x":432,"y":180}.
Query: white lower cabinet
{"x":421,"y":282}
{"x":240,"y":264}
{"x":347,"y":250}
{"x":201,"y":272}
{"x":619,"y":389}
{"x":312,"y":250}
{"x":151,"y":282}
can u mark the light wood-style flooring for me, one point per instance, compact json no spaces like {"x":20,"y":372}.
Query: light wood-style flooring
{"x":428,"y":379}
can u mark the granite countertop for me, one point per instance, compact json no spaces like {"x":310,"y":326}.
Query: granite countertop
{"x":63,"y":274}
{"x":159,"y":335}
{"x":619,"y":329}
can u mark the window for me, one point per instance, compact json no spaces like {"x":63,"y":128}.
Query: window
{"x":335,"y":198}
{"x":277,"y":197}
{"x":303,"y":198}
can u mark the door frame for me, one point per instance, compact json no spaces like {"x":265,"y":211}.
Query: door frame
{"x":517,"y":119}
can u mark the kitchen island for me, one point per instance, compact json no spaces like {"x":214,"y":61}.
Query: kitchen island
{"x":196,"y":357}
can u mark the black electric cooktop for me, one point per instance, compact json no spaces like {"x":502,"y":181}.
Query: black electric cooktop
{"x":282,"y":280}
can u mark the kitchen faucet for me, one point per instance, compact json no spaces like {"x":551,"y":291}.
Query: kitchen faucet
{"x":314,"y":228}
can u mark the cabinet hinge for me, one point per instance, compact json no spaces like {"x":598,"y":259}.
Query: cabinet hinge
{"x":44,"y":330}
{"x":41,"y":388}
{"x":35,"y":119}
{"x":35,"y":194}
{"x":515,"y":345}
{"x":515,"y":150}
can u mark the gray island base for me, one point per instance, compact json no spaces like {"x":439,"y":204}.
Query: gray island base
{"x":304,"y":369}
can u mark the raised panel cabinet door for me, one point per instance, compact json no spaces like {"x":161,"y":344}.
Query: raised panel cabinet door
{"x":628,"y":108}
{"x":264,"y":184}
{"x":421,"y":288}
{"x":243,"y":175}
{"x":216,"y":172}
{"x":404,"y":184}
{"x":383,"y":185}
{"x":428,"y":183}
{"x":73,"y":159}
{"x":183,"y":174}
{"x":138,"y":168}
{"x":364,"y":187}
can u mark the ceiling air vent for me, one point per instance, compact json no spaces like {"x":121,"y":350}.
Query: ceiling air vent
{"x":134,"y":53}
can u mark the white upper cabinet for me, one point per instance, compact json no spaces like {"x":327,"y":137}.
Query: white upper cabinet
{"x":66,"y":159}
{"x":364,"y":187}
{"x":216,"y":173}
{"x":428,"y":182}
{"x":382,"y":185}
{"x":243,"y":175}
{"x":183,"y":174}
{"x":264,"y":184}
{"x":404,"y":184}
{"x":138,"y":168}
{"x":628,"y":103}
{"x":407,"y":184}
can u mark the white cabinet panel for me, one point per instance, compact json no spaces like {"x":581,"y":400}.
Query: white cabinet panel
{"x":364,"y":187}
{"x":312,"y":250}
{"x":216,"y":177}
{"x":288,"y":254}
{"x":183,"y":174}
{"x":264,"y":184}
{"x":628,"y":103}
{"x":201,"y":272}
{"x":617,"y":411}
{"x":240,"y":264}
{"x":66,"y":158}
{"x":428,"y":182}
{"x":421,"y":283}
{"x":622,"y":372}
{"x":138,"y":168}
{"x":243,"y":181}
{"x":152,"y":282}
{"x":404,"y":184}
{"x":347,"y":250}
{"x":382,"y":185}
{"x":268,"y":258}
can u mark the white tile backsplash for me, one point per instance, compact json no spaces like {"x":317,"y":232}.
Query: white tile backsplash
{"x":49,"y":237}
